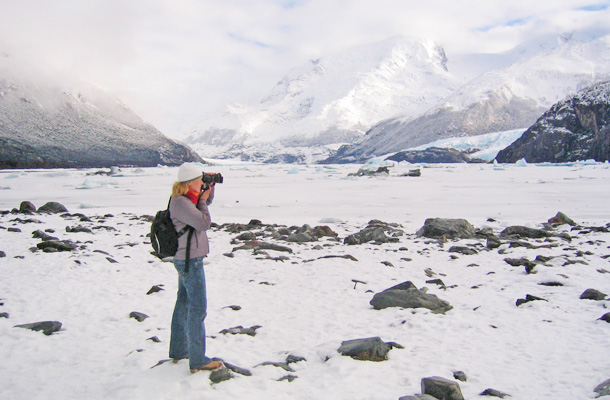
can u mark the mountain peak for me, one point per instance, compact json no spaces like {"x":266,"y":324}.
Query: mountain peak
{"x":335,"y":99}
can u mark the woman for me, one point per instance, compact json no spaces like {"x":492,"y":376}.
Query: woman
{"x":189,"y":206}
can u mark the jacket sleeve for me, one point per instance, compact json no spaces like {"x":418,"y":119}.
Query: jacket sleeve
{"x":184,"y":212}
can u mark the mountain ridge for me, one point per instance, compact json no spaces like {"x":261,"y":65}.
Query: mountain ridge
{"x":459,"y":98}
{"x":47,"y":125}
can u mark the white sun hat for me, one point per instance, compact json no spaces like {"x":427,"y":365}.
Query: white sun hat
{"x":188,"y":172}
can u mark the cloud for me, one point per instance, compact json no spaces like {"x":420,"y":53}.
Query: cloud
{"x":174,"y":62}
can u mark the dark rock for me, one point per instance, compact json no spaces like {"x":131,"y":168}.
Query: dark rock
{"x":53,"y":208}
{"x":440,"y":228}
{"x":301,"y":237}
{"x":221,"y":375}
{"x":577,"y":128}
{"x":56,"y":245}
{"x":240,"y":330}
{"x":234,"y":368}
{"x":493,"y":242}
{"x":592,"y":294}
{"x":441,"y":388}
{"x":409,"y":298}
{"x":370,"y":234}
{"x":2,"y":254}
{"x":370,"y":349}
{"x":234,"y":308}
{"x":375,"y":232}
{"x":438,"y":282}
{"x":38,"y":234}
{"x":4,"y":315}
{"x":463,"y":250}
{"x":529,"y":298}
{"x":605,"y":317}
{"x":138,"y":316}
{"x":460,"y":376}
{"x":27,"y":206}
{"x":47,"y":327}
{"x":294,"y":359}
{"x":346,"y":256}
{"x":603,"y":389}
{"x":418,"y":397}
{"x":246,"y":236}
{"x":551,"y":283}
{"x":516,"y":262}
{"x":403,"y":286}
{"x":494,"y":393}
{"x":258,"y":245}
{"x":12,"y":229}
{"x":560,"y":219}
{"x":154,"y":339}
{"x":523,"y":231}
{"x":155,"y":289}
{"x":78,"y":229}
{"x":288,"y":378}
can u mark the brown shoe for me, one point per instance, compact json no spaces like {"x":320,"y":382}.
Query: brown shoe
{"x":213,"y":365}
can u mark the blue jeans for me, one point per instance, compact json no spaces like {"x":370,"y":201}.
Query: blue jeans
{"x":188,"y":329}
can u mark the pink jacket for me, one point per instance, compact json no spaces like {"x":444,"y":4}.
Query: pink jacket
{"x":184,"y":212}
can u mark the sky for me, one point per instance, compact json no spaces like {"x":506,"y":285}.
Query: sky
{"x":175,"y":62}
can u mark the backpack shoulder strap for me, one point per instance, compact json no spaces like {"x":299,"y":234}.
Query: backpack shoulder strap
{"x":188,"y":249}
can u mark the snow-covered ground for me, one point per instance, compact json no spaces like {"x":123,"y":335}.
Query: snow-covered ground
{"x":307,"y":305}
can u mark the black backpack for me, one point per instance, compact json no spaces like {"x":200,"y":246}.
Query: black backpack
{"x":164,"y":237}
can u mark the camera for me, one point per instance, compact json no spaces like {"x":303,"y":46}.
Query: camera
{"x":212,"y":178}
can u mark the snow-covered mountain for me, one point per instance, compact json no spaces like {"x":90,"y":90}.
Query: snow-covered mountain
{"x":511,"y":97}
{"x":402,"y":92}
{"x":330,"y":101}
{"x":45,"y":123}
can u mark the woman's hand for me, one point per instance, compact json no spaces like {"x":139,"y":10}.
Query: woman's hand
{"x":206,"y":193}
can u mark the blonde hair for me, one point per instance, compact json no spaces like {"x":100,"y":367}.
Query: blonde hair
{"x":180,"y":189}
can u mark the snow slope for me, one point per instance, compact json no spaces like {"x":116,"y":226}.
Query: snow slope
{"x":308,"y":305}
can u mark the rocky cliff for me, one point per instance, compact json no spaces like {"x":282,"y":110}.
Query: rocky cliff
{"x":577,"y":128}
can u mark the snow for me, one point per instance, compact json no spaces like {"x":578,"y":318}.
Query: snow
{"x":555,"y":349}
{"x":488,"y":146}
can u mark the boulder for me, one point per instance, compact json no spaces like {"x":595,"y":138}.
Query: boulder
{"x":441,"y":388}
{"x":56,"y":245}
{"x":407,"y":296}
{"x":138,"y":316}
{"x":439,"y":228}
{"x":47,"y":327}
{"x":370,"y":349}
{"x":53,"y":208}
{"x":592,"y":294}
{"x":376,"y":231}
{"x":27,"y":206}
{"x":560,"y":219}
